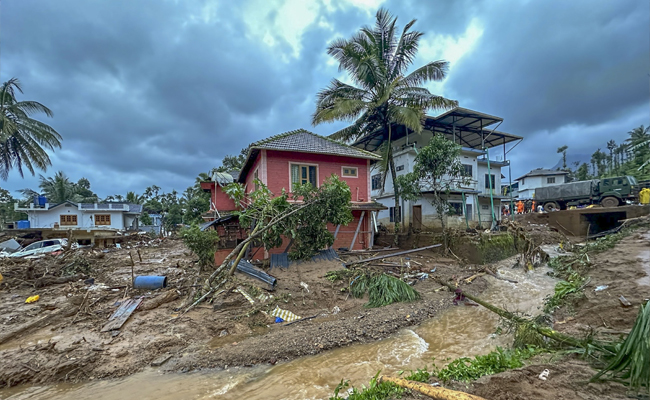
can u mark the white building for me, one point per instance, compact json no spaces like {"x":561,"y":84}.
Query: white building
{"x":479,"y":200}
{"x":539,"y":178}
{"x":82,"y":216}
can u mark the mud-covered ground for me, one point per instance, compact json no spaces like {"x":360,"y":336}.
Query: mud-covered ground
{"x":625,"y":270}
{"x":67,"y":343}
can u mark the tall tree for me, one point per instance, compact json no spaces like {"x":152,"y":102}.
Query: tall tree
{"x":611,"y":146}
{"x":23,"y":140}
{"x":134,"y":198}
{"x":233,"y":163}
{"x":582,"y":173}
{"x":383,"y":94}
{"x":57,"y":188}
{"x":563,"y":150}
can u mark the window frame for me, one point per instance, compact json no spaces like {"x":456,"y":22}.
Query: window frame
{"x":343,"y":175}
{"x":399,"y":168}
{"x":372,"y":182}
{"x":471,"y":170}
{"x":74,"y":221}
{"x":493,"y":179}
{"x":302,"y":164}
{"x":103,"y":223}
{"x":550,"y":179}
{"x":456,"y":208}
{"x":256,"y":178}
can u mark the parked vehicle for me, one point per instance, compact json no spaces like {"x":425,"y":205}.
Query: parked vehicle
{"x":608,"y":192}
{"x":41,"y":247}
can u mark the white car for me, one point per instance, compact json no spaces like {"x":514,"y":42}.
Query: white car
{"x":41,"y":247}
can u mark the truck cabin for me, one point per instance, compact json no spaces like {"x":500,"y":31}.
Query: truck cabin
{"x":625,"y":186}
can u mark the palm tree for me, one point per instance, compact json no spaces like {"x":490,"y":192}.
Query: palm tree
{"x":133,"y":198}
{"x":57,"y":189}
{"x":563,"y":150}
{"x":377,"y":60}
{"x":611,"y":146}
{"x":22,"y":138}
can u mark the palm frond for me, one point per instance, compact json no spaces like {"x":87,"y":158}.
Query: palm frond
{"x":410,"y":117}
{"x":405,"y":51}
{"x":433,"y":71}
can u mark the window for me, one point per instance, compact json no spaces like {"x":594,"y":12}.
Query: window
{"x":485,"y":207}
{"x":523,"y":181}
{"x":395,"y":216}
{"x":468,"y":210}
{"x":33,"y":246}
{"x":456,"y":208}
{"x":489,"y":180}
{"x":468,"y":170}
{"x":376,"y":182}
{"x":349,"y":172}
{"x":68,"y":219}
{"x":102,"y":219}
{"x":399,"y":168}
{"x":550,"y":180}
{"x":303,"y":174}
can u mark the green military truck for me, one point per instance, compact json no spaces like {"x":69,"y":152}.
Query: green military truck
{"x":608,"y":192}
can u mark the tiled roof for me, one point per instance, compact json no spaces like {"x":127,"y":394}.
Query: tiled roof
{"x":308,"y":142}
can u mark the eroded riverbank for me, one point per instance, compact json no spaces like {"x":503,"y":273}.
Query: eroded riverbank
{"x":458,"y":331}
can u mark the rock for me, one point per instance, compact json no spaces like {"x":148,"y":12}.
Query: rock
{"x":161,"y":360}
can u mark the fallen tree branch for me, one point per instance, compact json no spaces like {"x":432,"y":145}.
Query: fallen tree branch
{"x":400,"y":253}
{"x":159,"y":300}
{"x":51,"y":280}
{"x":438,"y":393}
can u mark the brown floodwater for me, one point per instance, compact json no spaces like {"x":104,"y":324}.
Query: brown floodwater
{"x":461,"y":331}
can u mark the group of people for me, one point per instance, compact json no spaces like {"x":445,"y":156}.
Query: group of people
{"x":522,"y":207}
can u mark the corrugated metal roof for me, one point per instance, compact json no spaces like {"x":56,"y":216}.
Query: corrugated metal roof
{"x":282,"y":260}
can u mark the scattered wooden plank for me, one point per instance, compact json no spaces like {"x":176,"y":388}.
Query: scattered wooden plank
{"x":392,"y":255}
{"x":123,"y":313}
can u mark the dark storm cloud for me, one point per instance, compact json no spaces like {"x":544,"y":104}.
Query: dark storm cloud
{"x":151,"y":93}
{"x":137,"y":89}
{"x":543,"y":67}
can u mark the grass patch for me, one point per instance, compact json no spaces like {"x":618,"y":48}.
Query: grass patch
{"x":572,"y":270}
{"x":374,"y":391}
{"x":468,"y":369}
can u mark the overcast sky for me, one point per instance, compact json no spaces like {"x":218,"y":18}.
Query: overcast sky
{"x":151,"y":92}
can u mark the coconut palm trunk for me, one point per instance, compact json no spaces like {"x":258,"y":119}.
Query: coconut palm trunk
{"x":377,"y":59}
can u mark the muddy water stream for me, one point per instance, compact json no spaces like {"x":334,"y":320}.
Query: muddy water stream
{"x":459,"y":331}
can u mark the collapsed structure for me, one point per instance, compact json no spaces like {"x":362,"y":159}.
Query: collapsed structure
{"x":90,"y":223}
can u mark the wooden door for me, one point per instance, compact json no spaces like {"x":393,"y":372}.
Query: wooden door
{"x":417,"y":217}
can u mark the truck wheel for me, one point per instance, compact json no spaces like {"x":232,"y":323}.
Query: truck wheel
{"x":551,"y":206}
{"x":609,"y":202}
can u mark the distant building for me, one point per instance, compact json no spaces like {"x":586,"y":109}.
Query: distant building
{"x":87,"y":221}
{"x":537,"y":178}
{"x":472,"y":203}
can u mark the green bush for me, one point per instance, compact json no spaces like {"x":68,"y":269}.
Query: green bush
{"x":202,"y":243}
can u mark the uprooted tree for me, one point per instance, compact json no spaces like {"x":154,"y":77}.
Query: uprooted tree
{"x":301,"y":216}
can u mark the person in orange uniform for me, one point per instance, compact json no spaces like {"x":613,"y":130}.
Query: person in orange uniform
{"x":520,"y":207}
